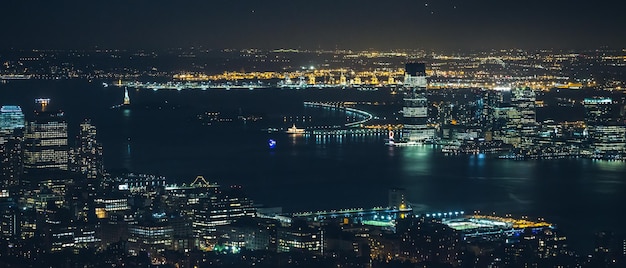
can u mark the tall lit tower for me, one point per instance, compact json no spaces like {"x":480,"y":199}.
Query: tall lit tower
{"x":88,"y":154}
{"x":126,"y":97}
{"x":415,"y":76}
{"x":415,"y":110}
{"x":11,"y":146}
{"x":45,"y":142}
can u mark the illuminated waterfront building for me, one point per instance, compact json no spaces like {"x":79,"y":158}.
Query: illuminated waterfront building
{"x":598,"y":110}
{"x":415,"y":110}
{"x":514,"y":122}
{"x":523,"y":99}
{"x":608,"y":139}
{"x":45,"y":142}
{"x":491,"y":100}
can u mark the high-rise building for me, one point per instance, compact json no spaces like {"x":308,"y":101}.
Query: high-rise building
{"x":87,"y":156}
{"x":524,"y":100}
{"x":492,"y":100}
{"x":415,"y":110}
{"x":415,"y":75}
{"x":515,"y":121}
{"x":45,"y":142}
{"x":11,"y":157}
{"x":11,"y":117}
{"x":598,"y":110}
{"x":11,"y":145}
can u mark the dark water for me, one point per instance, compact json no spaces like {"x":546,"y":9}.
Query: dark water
{"x":161,"y":134}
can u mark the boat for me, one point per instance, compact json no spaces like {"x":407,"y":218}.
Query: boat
{"x":294,"y":130}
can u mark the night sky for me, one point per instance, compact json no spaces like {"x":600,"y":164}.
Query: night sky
{"x":355,"y":24}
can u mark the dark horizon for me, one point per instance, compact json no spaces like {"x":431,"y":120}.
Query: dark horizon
{"x":357,"y":25}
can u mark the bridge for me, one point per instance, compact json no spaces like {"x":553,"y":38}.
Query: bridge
{"x":339,"y":106}
{"x":347,"y":132}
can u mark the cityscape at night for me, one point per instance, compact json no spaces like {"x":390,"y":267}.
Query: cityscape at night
{"x":300,"y":134}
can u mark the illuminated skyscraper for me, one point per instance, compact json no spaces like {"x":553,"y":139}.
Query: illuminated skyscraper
{"x":415,"y":108}
{"x":87,"y":156}
{"x":524,"y":100}
{"x":45,"y":142}
{"x":11,"y":145}
{"x":11,"y":157}
{"x":415,"y":75}
{"x":492,"y":100}
{"x":607,"y":136}
{"x":515,"y":120}
{"x":608,"y":139}
{"x":11,"y":117}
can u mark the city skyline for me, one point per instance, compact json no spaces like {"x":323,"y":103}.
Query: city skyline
{"x":240,"y":133}
{"x":323,"y":24}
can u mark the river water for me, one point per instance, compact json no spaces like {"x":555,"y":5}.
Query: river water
{"x":161,"y":134}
